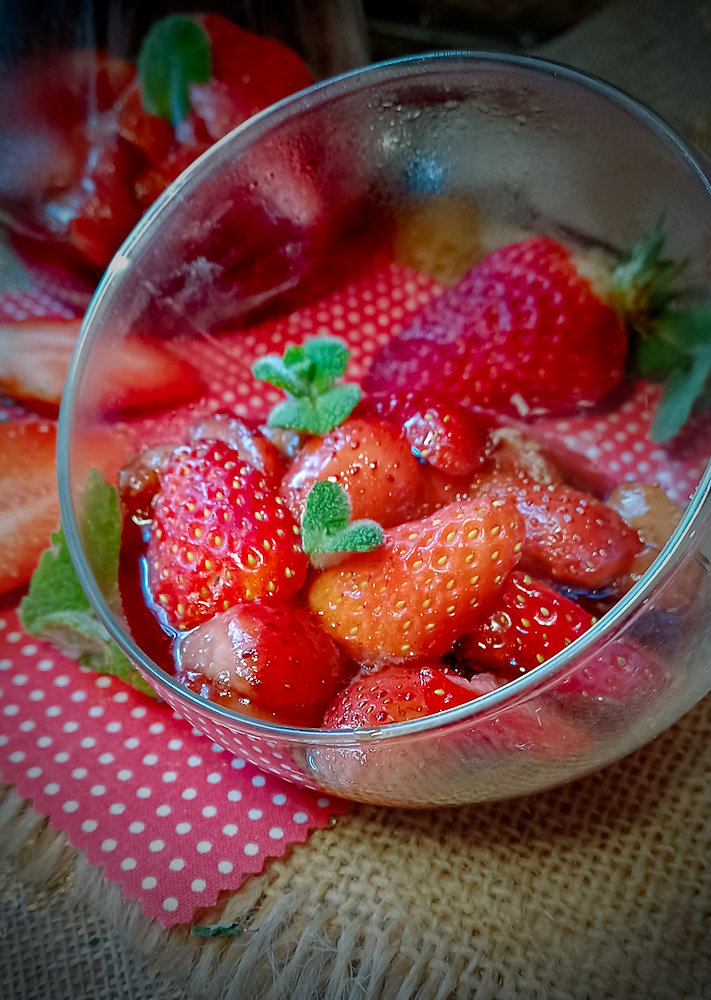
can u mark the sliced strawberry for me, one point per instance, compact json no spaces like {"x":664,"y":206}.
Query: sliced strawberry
{"x":529,"y":624}
{"x":373,"y":463}
{"x":570,"y":536}
{"x":221,"y":536}
{"x":424,"y":587}
{"x":34,"y":359}
{"x":442,"y":433}
{"x":142,"y":377}
{"x":264,"y":659}
{"x":29,"y":506}
{"x":533,"y":726}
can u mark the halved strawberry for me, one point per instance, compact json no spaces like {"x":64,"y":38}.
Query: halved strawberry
{"x":570,"y":536}
{"x":34,"y":359}
{"x":29,"y":506}
{"x":264,"y":659}
{"x":373,"y":463}
{"x":530,"y":623}
{"x":221,"y":535}
{"x":424,"y":587}
{"x":143,"y":376}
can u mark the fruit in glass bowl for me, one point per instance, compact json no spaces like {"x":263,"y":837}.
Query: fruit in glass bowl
{"x":439,"y":679}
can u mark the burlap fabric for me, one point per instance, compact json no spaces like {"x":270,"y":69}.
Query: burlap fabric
{"x":599,"y":890}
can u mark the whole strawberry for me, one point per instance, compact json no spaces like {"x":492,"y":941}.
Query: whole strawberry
{"x":425,"y":586}
{"x":220,"y":535}
{"x":524,"y":332}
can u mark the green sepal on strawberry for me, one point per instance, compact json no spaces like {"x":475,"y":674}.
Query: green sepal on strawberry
{"x":316,"y":401}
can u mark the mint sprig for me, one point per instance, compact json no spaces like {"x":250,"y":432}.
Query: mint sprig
{"x":316,"y":402}
{"x":175,"y":52}
{"x":326,"y":524}
{"x":56,"y":608}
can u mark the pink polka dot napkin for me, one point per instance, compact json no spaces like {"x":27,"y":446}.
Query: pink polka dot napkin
{"x":170,"y":816}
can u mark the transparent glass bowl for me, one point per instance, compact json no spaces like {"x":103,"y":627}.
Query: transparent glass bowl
{"x":284,"y":210}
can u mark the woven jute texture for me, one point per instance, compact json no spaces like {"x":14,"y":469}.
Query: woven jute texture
{"x":598,"y":890}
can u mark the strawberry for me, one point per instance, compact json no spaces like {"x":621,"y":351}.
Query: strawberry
{"x":530,"y":623}
{"x":34,"y":359}
{"x":143,"y":376}
{"x":571,"y":537}
{"x":503,"y":336}
{"x":264,"y":659}
{"x":424,"y":587}
{"x":246,"y":437}
{"x":221,"y":535}
{"x":29,"y":506}
{"x":442,"y":433}
{"x":396,"y":693}
{"x":373,"y":463}
{"x":621,"y":671}
{"x":399,"y":693}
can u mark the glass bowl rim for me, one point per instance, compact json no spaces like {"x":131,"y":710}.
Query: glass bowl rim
{"x":244,"y":136}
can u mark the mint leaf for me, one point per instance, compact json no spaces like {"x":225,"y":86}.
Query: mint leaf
{"x":316,"y":402}
{"x":216,"y":930}
{"x":175,"y":53}
{"x":56,"y":608}
{"x":326,"y":524}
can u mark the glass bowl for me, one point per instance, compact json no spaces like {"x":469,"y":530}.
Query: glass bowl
{"x":286,"y":213}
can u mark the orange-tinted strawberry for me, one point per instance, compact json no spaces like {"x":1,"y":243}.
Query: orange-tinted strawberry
{"x":504,"y":336}
{"x":373,"y":463}
{"x":269,"y":660}
{"x":220,"y":535}
{"x":424,"y":587}
{"x":529,"y":623}
{"x":570,"y":536}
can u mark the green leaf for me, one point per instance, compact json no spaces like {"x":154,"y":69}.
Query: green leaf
{"x":216,"y":930}
{"x":326,"y":524}
{"x":682,"y":389}
{"x":330,"y":359}
{"x":316,"y":402}
{"x":273,"y":369}
{"x":641,"y":285}
{"x":175,"y":53}
{"x":56,"y":608}
{"x":334,"y":406}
